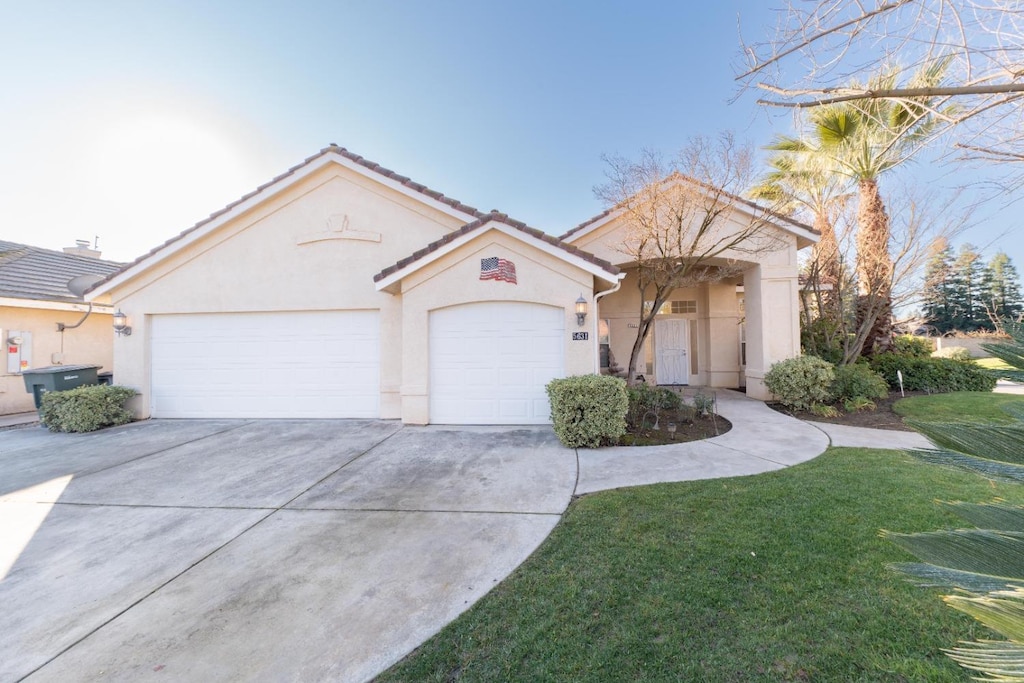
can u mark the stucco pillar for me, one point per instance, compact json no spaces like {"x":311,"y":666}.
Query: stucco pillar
{"x":722,"y":357}
{"x":773,"y":323}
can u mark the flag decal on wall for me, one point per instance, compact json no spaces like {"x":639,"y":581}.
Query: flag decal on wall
{"x":495,"y":268}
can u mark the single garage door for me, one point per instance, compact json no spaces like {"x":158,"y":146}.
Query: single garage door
{"x":489,"y":362}
{"x":322,"y":364}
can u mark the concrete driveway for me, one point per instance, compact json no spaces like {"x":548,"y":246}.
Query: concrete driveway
{"x":258,"y":550}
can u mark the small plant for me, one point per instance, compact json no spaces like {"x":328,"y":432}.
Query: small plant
{"x":86,"y":409}
{"x":589,"y":410}
{"x":823,"y":410}
{"x":703,"y":404}
{"x":912,"y":347}
{"x":953,"y":353}
{"x":858,"y":404}
{"x":800,"y":382}
{"x":857,"y":381}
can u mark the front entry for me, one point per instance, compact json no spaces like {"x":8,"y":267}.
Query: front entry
{"x":671,"y":358}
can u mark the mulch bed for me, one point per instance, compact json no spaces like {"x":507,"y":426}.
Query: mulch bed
{"x":882,"y":417}
{"x":695,"y":430}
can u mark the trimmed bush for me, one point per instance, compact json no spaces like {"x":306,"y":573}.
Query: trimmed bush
{"x":915,"y":347}
{"x":953,"y":352}
{"x":645,"y":399}
{"x":933,"y":375}
{"x":589,"y":410}
{"x":86,"y":409}
{"x":800,"y":382}
{"x":857,"y":381}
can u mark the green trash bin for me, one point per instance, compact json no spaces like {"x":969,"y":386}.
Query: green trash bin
{"x":38,"y":381}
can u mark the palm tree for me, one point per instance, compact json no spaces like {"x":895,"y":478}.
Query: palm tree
{"x":861,"y":141}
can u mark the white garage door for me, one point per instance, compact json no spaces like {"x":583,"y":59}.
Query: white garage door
{"x":489,"y":362}
{"x":298,"y":364}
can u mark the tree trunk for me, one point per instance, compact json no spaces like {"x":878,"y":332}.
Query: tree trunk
{"x":874,"y":269}
{"x":829,"y":272}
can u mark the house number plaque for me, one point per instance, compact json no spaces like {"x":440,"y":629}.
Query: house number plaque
{"x":580,"y":336}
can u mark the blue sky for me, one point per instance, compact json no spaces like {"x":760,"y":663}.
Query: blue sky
{"x":134,"y":120}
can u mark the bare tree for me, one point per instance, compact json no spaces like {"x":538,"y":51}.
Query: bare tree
{"x":685,"y":221}
{"x":821,"y":46}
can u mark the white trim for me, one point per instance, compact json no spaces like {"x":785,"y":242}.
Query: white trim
{"x":201,"y":230}
{"x":561,"y":254}
{"x":54,"y":305}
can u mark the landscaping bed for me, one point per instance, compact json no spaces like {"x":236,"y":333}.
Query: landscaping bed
{"x":882,"y":417}
{"x":688,"y":428}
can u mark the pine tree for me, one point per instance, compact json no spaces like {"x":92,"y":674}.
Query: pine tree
{"x":968,"y":295}
{"x":938,"y":287}
{"x":1003,"y":297}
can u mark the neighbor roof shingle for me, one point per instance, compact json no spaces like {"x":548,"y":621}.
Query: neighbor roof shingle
{"x":28,"y":272}
{"x":500,"y":218}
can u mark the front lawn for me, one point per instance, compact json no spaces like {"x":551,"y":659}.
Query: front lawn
{"x":957,"y":407}
{"x":993,"y":363}
{"x":769,"y":578}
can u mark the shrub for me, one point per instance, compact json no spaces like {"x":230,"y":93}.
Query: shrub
{"x":953,"y":352}
{"x":86,"y":409}
{"x":857,"y":404}
{"x":914,"y":347}
{"x":646,"y":400}
{"x":589,"y":410}
{"x":800,"y":382}
{"x":858,"y":381}
{"x":823,"y":338}
{"x":824,"y":410}
{"x":703,"y":404}
{"x":933,"y":375}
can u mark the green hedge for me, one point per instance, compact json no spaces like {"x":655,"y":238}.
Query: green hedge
{"x":909,"y":345}
{"x":857,"y":381}
{"x":589,"y":410}
{"x":801,"y":382}
{"x":86,"y":409}
{"x":934,"y":375}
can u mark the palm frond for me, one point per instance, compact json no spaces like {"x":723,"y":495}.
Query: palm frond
{"x":981,"y":551}
{"x":990,"y":469}
{"x":933,"y":576}
{"x":996,"y":515}
{"x":1002,"y":661}
{"x":1004,"y":443}
{"x":1002,"y":611}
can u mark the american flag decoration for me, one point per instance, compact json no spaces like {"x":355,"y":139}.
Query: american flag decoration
{"x":495,"y":268}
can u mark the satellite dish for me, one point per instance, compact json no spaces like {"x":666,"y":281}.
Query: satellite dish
{"x":78,"y":285}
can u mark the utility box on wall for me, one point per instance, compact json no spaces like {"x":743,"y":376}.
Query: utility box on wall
{"x":19,"y":350}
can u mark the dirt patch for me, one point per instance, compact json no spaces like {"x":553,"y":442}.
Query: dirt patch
{"x":688,"y":428}
{"x":882,"y":417}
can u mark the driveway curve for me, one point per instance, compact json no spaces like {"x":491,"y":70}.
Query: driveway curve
{"x":230,"y":550}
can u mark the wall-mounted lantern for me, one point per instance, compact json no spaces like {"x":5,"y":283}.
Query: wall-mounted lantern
{"x":581,"y":310}
{"x":121,"y":324}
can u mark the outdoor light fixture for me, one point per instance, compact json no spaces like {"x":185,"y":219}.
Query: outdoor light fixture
{"x":121,"y":324}
{"x":581,"y":310}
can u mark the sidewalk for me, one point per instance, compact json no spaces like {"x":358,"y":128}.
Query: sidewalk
{"x":18,"y":419}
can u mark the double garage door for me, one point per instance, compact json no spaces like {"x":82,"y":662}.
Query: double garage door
{"x":322,"y":364}
{"x":489,"y":363}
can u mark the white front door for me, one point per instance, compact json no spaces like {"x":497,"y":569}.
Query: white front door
{"x":672,"y":344}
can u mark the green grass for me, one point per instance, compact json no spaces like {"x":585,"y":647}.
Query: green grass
{"x":776,"y":577}
{"x":993,"y":364}
{"x":957,"y":406}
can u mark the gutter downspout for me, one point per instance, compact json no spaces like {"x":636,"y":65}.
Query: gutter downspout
{"x":597,"y":319}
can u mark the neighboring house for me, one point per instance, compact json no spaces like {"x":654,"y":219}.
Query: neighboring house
{"x":39,"y":316}
{"x":342,"y":289}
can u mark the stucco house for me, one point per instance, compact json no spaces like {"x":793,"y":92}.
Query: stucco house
{"x":40,"y":316}
{"x":342,"y":289}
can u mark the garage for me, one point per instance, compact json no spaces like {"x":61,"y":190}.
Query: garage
{"x":305,"y":364}
{"x":489,"y":362}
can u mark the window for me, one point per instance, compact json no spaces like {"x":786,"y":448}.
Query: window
{"x":680,"y":307}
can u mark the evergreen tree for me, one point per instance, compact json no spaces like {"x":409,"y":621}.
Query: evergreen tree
{"x":937,"y":306}
{"x":968,"y":296}
{"x":1003,"y":291}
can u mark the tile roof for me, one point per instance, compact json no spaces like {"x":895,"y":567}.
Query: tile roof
{"x":505,"y":220}
{"x":730,"y":195}
{"x":330,"y":149}
{"x":28,"y":272}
